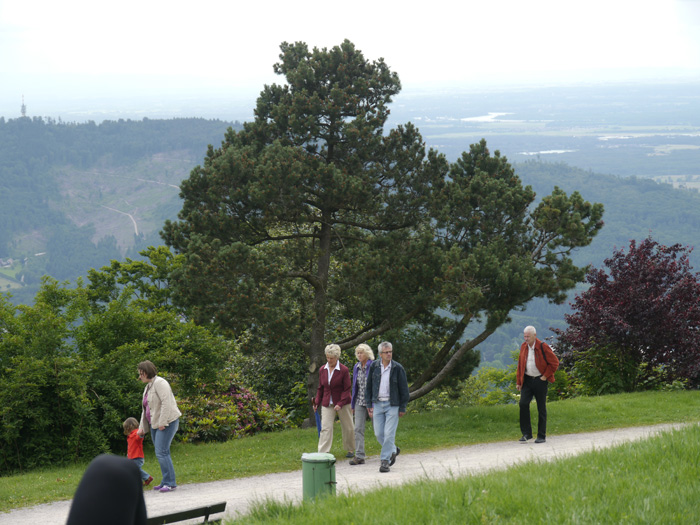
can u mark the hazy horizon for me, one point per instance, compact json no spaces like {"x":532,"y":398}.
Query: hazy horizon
{"x":161,"y":59}
{"x":81,"y":104}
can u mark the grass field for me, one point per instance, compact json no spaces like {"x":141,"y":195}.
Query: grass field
{"x":281,"y":451}
{"x":652,"y":481}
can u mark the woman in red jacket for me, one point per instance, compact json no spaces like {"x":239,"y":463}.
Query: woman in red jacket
{"x":334,"y":395}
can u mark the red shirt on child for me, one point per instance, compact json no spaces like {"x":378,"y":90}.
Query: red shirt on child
{"x":134,"y":445}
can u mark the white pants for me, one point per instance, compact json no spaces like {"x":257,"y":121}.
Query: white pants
{"x":325,"y":440}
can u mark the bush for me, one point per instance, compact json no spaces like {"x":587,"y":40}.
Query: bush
{"x":488,"y":386}
{"x":278,"y":375}
{"x":229,"y":412}
{"x":604,"y":370}
{"x":563,"y":387}
{"x":68,"y":376}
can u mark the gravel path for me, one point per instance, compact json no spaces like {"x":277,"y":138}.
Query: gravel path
{"x":241,"y":494}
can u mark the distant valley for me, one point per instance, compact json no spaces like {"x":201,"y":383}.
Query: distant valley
{"x":73,"y":196}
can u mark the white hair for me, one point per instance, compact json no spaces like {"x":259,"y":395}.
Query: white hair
{"x":530,"y":329}
{"x":383,"y":345}
{"x":364,"y":349}
{"x":333,"y":351}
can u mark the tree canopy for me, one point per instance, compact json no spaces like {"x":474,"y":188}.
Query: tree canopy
{"x":314,"y":225}
{"x":643,"y":309}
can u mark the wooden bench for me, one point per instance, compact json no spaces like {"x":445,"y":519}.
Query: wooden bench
{"x":189,"y":514}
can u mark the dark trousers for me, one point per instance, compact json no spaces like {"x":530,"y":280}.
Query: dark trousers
{"x":533,"y":386}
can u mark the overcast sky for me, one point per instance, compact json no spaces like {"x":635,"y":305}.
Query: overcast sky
{"x":52,"y":49}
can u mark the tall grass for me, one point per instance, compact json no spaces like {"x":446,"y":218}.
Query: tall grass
{"x":281,"y":451}
{"x":653,"y":481}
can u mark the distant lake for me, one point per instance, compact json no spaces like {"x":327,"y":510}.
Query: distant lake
{"x":491,"y":117}
{"x":548,"y":152}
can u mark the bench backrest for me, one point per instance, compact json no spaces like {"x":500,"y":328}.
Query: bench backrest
{"x":189,"y":514}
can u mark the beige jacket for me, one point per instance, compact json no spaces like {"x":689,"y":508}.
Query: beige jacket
{"x":162,"y":403}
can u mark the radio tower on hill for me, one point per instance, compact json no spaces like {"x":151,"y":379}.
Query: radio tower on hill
{"x":24,"y":107}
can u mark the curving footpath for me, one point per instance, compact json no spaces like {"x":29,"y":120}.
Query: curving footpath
{"x":241,"y":494}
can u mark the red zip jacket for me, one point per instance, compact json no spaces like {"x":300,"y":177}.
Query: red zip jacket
{"x":547,"y":363}
{"x":134,"y":445}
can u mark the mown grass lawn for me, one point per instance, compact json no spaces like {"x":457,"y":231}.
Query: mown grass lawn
{"x":650,"y":481}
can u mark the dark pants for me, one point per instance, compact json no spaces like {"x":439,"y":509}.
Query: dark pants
{"x":533,"y":386}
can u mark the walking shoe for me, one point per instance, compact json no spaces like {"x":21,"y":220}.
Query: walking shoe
{"x":525,"y":438}
{"x":147,"y":482}
{"x":393,"y":456}
{"x":166,"y":488}
{"x":350,"y":455}
{"x":158,"y":487}
{"x":384,"y":466}
{"x":357,"y":461}
{"x":540,"y":440}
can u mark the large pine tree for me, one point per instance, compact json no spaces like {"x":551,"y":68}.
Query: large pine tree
{"x":315,"y":224}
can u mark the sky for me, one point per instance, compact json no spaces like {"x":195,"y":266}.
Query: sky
{"x":58,"y":53}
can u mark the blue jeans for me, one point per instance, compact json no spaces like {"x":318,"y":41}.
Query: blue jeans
{"x":139,"y":463}
{"x":386,"y":419}
{"x":161,"y":442}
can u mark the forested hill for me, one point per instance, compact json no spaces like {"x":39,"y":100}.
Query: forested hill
{"x":635,"y":208}
{"x":75,"y":196}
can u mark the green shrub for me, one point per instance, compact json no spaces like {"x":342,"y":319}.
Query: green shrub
{"x":602,"y":370}
{"x":605,"y":370}
{"x":223,"y":413}
{"x":563,"y":386}
{"x":68,"y":376}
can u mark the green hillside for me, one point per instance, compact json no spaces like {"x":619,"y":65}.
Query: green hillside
{"x":83,"y":194}
{"x":75,"y":196}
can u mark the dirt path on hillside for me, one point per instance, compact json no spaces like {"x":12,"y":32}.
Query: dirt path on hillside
{"x":241,"y":494}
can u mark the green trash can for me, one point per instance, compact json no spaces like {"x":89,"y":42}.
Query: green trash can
{"x":318,"y":474}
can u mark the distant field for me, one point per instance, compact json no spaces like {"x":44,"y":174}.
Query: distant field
{"x":7,"y":279}
{"x":625,"y":130}
{"x":690,"y":182}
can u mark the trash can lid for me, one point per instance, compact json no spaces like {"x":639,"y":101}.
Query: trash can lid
{"x":317,"y":457}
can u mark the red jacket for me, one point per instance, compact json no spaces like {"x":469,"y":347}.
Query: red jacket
{"x":340,"y":387}
{"x":134,"y":445}
{"x":547,"y":363}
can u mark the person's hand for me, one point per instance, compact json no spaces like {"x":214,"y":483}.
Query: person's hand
{"x":315,"y":408}
{"x":518,"y":387}
{"x":353,"y":411}
{"x":542,"y":378}
{"x":401,"y":414}
{"x":161,"y":428}
{"x":337,"y":408}
{"x":370,"y":411}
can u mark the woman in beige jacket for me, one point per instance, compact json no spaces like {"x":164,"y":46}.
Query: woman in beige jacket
{"x":161,"y":416}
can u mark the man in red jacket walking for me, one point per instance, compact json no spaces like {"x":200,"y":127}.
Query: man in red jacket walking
{"x":536,"y":366}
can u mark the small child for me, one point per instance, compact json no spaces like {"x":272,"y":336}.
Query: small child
{"x":135,"y":447}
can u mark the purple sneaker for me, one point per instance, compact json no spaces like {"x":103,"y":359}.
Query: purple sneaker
{"x":158,"y":487}
{"x":166,"y":488}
